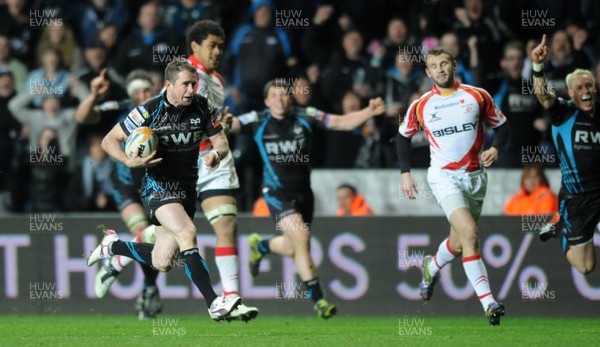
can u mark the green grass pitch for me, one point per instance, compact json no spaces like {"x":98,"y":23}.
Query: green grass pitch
{"x":47,"y":330}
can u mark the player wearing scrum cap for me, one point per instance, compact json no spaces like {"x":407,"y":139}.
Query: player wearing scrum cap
{"x":576,"y":135}
{"x":126,"y":183}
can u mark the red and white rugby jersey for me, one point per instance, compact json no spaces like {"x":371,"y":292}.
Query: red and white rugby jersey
{"x":211,"y":87}
{"x":453,"y":122}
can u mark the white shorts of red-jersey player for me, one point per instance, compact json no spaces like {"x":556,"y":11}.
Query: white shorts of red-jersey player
{"x":454,"y":125}
{"x":454,"y":190}
{"x":223,"y":178}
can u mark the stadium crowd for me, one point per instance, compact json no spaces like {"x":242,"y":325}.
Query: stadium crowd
{"x":335,"y":54}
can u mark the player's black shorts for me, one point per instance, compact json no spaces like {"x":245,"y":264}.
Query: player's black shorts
{"x":579,"y":215}
{"x":217,"y":192}
{"x":282,"y":203}
{"x":158,"y":193}
{"x":126,"y":185}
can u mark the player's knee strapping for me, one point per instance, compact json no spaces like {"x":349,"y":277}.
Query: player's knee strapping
{"x":137,"y":221}
{"x":225,"y":210}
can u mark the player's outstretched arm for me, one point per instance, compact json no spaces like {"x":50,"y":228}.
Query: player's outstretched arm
{"x":87,"y":113}
{"x":352,"y":120}
{"x":538,"y":56}
{"x":111,"y":144}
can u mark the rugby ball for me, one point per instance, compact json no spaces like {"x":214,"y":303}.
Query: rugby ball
{"x":143,"y":138}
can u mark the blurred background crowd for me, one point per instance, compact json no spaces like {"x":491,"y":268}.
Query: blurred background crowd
{"x":337,"y":54}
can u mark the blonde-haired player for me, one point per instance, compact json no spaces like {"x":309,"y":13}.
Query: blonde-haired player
{"x":576,"y":135}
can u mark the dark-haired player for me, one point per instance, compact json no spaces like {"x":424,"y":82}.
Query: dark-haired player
{"x":180,"y":118}
{"x":283,"y":135}
{"x":216,"y":188}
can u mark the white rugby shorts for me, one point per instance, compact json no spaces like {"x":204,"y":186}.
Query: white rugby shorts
{"x":454,"y":190}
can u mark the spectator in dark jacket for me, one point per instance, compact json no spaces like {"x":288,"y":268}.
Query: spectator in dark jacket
{"x":150,"y":46}
{"x":563,"y":60}
{"x":259,"y":52}
{"x":91,"y":16}
{"x":16,"y":23}
{"x":349,"y":68}
{"x":467,"y":61}
{"x":474,"y":27}
{"x":10,"y":128}
{"x":185,"y":13}
{"x":521,"y":109}
{"x":402,"y":79}
{"x":110,"y":38}
{"x":306,"y":94}
{"x":95,"y":60}
{"x":341,"y":147}
{"x":47,"y":173}
{"x":13,"y":149}
{"x":322,"y":37}
{"x":385,"y":51}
